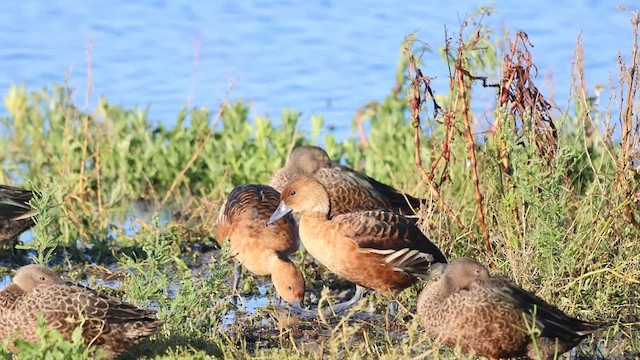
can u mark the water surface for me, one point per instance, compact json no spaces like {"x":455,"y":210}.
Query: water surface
{"x":324,"y":57}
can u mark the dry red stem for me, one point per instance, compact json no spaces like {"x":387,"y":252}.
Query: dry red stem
{"x":462,"y":75}
{"x":627,"y":176}
{"x":417,"y":99}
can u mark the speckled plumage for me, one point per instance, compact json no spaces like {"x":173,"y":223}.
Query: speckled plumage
{"x":16,"y":216}
{"x":349,"y":190}
{"x":484,"y":314}
{"x":263,"y":249}
{"x":107,"y":322}
{"x":377,"y":249}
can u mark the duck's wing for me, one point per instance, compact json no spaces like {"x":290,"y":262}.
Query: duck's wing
{"x":400,"y":241}
{"x":66,"y":307}
{"x":248,"y":208}
{"x":398,"y":200}
{"x":552,"y":322}
{"x":351,"y":190}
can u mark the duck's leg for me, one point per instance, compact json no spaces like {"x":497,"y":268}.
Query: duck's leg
{"x":279,"y":300}
{"x":330,"y":310}
{"x":392,"y":308}
{"x":237,"y":274}
{"x":346,"y":305}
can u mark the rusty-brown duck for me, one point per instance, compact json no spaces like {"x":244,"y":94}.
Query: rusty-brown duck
{"x":348,"y":189}
{"x":377,"y":249}
{"x":263,"y":249}
{"x":16,"y":215}
{"x":485,"y":314}
{"x":107,"y":322}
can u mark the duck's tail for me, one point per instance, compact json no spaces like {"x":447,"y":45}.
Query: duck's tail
{"x":14,"y":203}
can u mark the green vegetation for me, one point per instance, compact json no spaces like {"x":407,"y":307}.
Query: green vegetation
{"x":560,"y":210}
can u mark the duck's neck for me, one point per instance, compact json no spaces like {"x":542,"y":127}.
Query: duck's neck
{"x":311,"y":228}
{"x":315,"y":216}
{"x":9,"y":295}
{"x":273,"y":261}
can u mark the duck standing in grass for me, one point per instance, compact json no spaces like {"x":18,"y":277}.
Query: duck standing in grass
{"x":489,"y":315}
{"x":263,"y":249}
{"x":36,"y":291}
{"x":377,"y":249}
{"x":349,"y":190}
{"x":16,"y":215}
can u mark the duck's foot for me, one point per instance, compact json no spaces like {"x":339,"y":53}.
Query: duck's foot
{"x":329,"y":310}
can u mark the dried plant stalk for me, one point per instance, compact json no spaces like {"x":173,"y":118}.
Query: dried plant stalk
{"x":417,"y":99}
{"x":627,"y":176}
{"x":471,"y":147}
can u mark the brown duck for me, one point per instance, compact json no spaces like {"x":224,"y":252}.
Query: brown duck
{"x":348,"y":189}
{"x":107,"y":322}
{"x":377,"y":249}
{"x":488,"y":315}
{"x":16,"y":215}
{"x":263,"y":249}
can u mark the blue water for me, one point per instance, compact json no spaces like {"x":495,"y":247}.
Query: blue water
{"x":321,"y":57}
{"x":4,"y":281}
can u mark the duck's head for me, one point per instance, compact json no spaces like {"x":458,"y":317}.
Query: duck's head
{"x":308,"y":159}
{"x":31,"y":276}
{"x":303,"y":195}
{"x":462,"y":272}
{"x":288,"y":281}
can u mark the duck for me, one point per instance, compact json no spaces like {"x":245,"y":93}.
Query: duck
{"x":260,"y":248}
{"x":16,"y":215}
{"x":349,"y":190}
{"x":376,"y":249}
{"x":108,"y":323}
{"x":488,"y":315}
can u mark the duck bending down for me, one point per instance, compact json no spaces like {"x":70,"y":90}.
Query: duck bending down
{"x":262,"y":249}
{"x":16,"y":215}
{"x":349,"y":190}
{"x":37,"y":291}
{"x":376,"y":249}
{"x":488,"y":315}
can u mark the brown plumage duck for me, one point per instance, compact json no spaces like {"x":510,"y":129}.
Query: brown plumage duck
{"x":107,"y":322}
{"x":485,"y":314}
{"x":263,"y":249}
{"x":16,"y":216}
{"x":376,"y":249}
{"x":349,"y":190}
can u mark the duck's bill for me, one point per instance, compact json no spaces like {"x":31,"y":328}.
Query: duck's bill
{"x":280,"y":212}
{"x":437,"y":269}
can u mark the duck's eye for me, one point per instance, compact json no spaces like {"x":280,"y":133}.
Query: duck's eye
{"x":42,"y":278}
{"x":290,"y":288}
{"x":293,"y":192}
